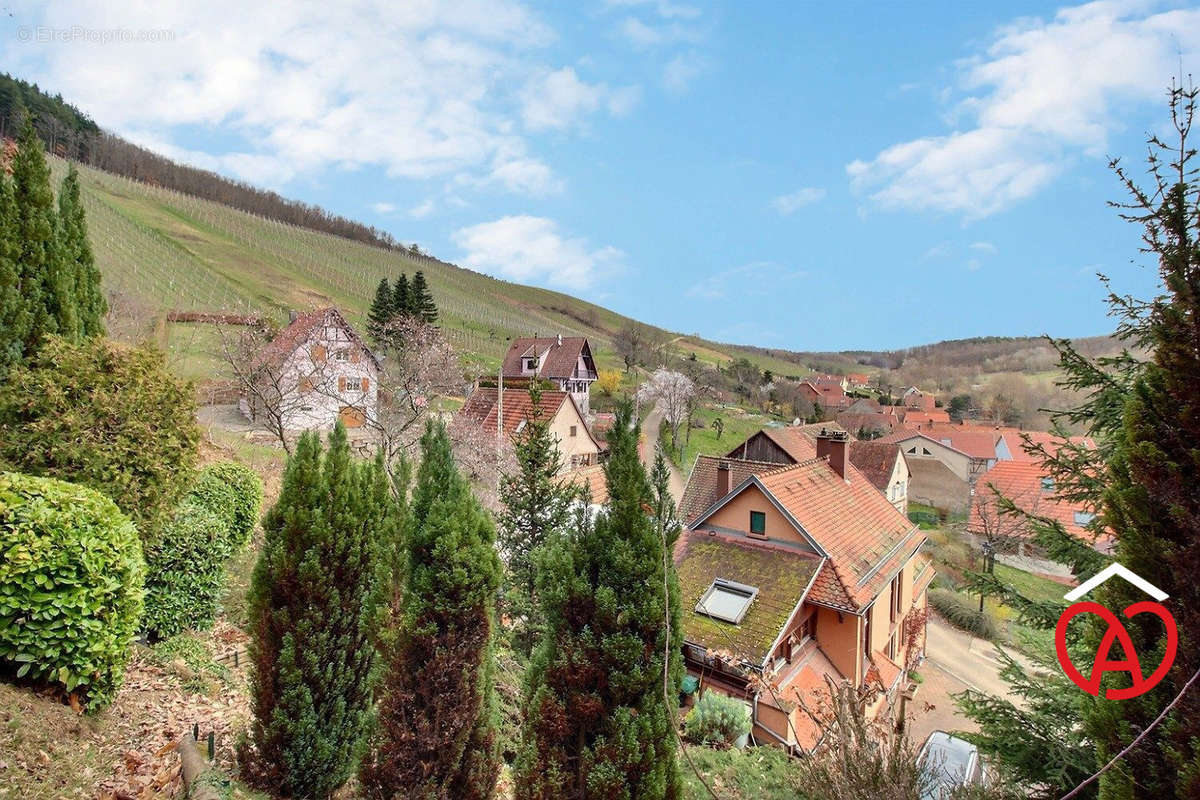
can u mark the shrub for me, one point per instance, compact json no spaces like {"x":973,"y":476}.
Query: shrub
{"x":70,"y":585}
{"x":247,"y":489}
{"x":716,"y":719}
{"x":185,"y":571}
{"x":106,"y":416}
{"x":961,"y":612}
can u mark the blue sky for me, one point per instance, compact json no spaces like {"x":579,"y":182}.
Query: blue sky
{"x":800,"y":175}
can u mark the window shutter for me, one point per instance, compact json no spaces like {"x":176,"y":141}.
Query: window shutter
{"x":341,"y":383}
{"x":319,"y":353}
{"x":365,"y":384}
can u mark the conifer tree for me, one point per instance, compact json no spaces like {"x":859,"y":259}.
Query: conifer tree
{"x":381,"y":311}
{"x":597,"y":723}
{"x":80,"y":272}
{"x":15,"y":315}
{"x":401,"y":298}
{"x":39,"y":261}
{"x":437,"y":713}
{"x":420,"y":302}
{"x":314,"y":609}
{"x":536,"y":506}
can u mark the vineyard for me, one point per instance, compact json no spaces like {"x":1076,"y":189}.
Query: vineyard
{"x":175,"y":252}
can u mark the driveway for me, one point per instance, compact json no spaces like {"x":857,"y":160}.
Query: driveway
{"x":650,"y":425}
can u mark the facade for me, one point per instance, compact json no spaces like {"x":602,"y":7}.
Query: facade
{"x":826,"y":391}
{"x":886,"y":468}
{"x":564,"y":361}
{"x":316,"y":371}
{"x":578,"y":447}
{"x":798,"y":574}
{"x":1031,"y":487}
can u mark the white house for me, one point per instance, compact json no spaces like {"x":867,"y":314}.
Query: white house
{"x":564,"y":361}
{"x":316,"y":371}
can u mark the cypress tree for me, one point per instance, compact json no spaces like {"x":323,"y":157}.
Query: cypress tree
{"x":15,"y":316}
{"x":420,"y":303}
{"x":314,"y":609}
{"x":401,"y":298}
{"x":437,"y":714}
{"x":536,"y":507}
{"x":38,"y":257}
{"x":381,"y":311}
{"x":80,"y":272}
{"x":597,"y":724}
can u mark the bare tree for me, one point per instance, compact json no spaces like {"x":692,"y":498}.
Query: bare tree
{"x":630,"y":343}
{"x":482,"y":457}
{"x":673,"y":392}
{"x":272,"y":390}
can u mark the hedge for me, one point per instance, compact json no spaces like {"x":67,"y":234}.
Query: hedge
{"x":185,"y":571}
{"x":963,"y":612}
{"x":234,"y":492}
{"x":71,"y":575}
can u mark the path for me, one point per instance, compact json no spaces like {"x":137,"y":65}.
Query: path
{"x":650,"y":425}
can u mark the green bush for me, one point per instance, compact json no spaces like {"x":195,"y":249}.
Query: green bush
{"x":185,"y":571}
{"x":236,"y":493}
{"x":71,"y":577}
{"x":963,"y":612}
{"x":104,"y":415}
{"x":716,"y":719}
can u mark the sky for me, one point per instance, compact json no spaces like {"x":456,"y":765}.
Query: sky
{"x":802,"y":175}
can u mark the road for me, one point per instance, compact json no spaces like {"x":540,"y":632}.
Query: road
{"x":650,"y":425}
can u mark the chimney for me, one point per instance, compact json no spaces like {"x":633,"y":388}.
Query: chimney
{"x":293,"y":315}
{"x":834,"y":445}
{"x":723,"y":486}
{"x":560,"y":340}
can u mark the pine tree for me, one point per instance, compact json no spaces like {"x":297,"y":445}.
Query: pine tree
{"x":536,"y":507}
{"x":314,"y":609}
{"x":421,"y":303}
{"x":437,"y":714}
{"x":80,"y":272}
{"x":39,"y":261}
{"x":381,"y":312}
{"x":15,"y":316}
{"x":401,"y":298}
{"x":597,"y":721}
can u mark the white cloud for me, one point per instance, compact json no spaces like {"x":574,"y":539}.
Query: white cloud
{"x":939,"y":250}
{"x":558,"y":99}
{"x":418,"y":90}
{"x":1041,"y":91}
{"x":756,"y":278}
{"x":973,"y":265}
{"x":681,"y":70}
{"x":787,"y":204}
{"x":984,"y":247}
{"x":664,"y":8}
{"x":530,"y":249}
{"x":645,"y":35}
{"x":423,"y":210}
{"x":383,"y":208}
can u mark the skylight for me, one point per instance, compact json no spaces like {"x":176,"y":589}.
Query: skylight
{"x":727,"y":600}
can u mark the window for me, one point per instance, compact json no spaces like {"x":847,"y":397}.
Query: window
{"x":891,"y":646}
{"x":1047,"y":484}
{"x":530,"y":364}
{"x":894,"y":595}
{"x":866,"y":642}
{"x":1084,"y":517}
{"x":758,"y":523}
{"x":574,"y":430}
{"x":306,"y":385}
{"x":808,"y":628}
{"x":727,"y":601}
{"x":341,"y":355}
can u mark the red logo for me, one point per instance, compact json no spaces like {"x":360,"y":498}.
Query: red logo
{"x":1131,"y":665}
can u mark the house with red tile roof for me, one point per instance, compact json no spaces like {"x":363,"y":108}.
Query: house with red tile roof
{"x":917,"y":399}
{"x":885,"y":467}
{"x":1032,"y":488}
{"x":314,"y":372}
{"x":505,"y":412}
{"x":565,"y":361}
{"x":857,"y":379}
{"x":796,"y":573}
{"x":826,"y":391}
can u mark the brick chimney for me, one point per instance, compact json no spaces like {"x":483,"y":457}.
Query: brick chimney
{"x":723,"y":486}
{"x":834,"y":445}
{"x":293,"y":315}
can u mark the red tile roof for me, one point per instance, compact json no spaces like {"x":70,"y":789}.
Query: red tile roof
{"x":482,"y":407}
{"x":876,"y":461}
{"x":288,"y":340}
{"x":1016,"y":443}
{"x":1022,"y":482}
{"x":593,"y":478}
{"x":978,"y":444}
{"x":559,"y":360}
{"x":701,"y":489}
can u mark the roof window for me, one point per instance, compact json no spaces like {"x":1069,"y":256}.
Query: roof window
{"x":727,"y":601}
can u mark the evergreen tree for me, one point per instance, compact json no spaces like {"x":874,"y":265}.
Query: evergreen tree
{"x":39,"y":261}
{"x":15,"y":315}
{"x":420,"y":302}
{"x":536,"y":507}
{"x":401,"y":298}
{"x":437,"y":714}
{"x":80,"y":272}
{"x":314,"y":609}
{"x":598,"y":722}
{"x":381,"y":312}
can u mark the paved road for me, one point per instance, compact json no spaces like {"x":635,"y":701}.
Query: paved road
{"x":650,"y":425}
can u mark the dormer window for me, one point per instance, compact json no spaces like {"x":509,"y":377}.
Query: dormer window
{"x":727,"y":601}
{"x":1047,"y":484}
{"x":531,"y":364}
{"x":1084,"y":518}
{"x":758,"y":523}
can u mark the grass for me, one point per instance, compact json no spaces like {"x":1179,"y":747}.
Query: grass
{"x":738,"y":425}
{"x":763,"y":773}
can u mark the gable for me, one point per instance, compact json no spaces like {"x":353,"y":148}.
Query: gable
{"x":733,"y":514}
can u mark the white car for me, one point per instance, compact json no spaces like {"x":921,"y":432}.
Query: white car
{"x":951,"y":762}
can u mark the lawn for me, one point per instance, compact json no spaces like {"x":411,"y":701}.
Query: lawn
{"x":763,"y":773}
{"x":738,"y":425}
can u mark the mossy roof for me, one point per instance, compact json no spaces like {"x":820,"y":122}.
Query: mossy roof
{"x":781,"y":576}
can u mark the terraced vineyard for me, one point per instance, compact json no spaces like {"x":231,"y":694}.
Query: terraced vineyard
{"x":175,"y":252}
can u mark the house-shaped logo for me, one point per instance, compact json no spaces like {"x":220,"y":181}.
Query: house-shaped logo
{"x":1119,"y":571}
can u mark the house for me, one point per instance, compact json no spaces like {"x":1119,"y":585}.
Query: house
{"x":1032,"y":488}
{"x":507,"y":412}
{"x":915,"y":398}
{"x":826,"y":391}
{"x":944,"y":463}
{"x":795,"y":574}
{"x":316,"y":371}
{"x":857,"y":380}
{"x":886,"y":468}
{"x":914,"y":418}
{"x":1013,"y":443}
{"x":782,"y":445}
{"x":564,"y":361}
